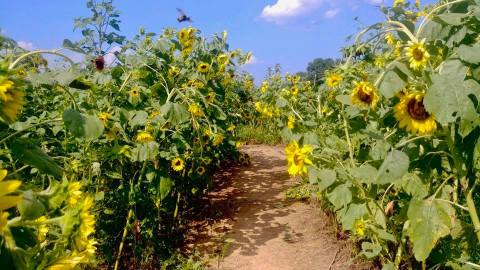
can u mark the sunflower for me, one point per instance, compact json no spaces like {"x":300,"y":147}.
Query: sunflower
{"x":291,"y":122}
{"x":7,"y":187}
{"x":201,"y":170}
{"x":178,"y":164}
{"x":222,"y":59}
{"x":217,"y":139}
{"x":297,"y":158}
{"x":42,"y":228}
{"x":418,"y":55}
{"x":211,"y":97}
{"x":195,"y":110}
{"x":264,"y":87}
{"x":144,"y":137}
{"x":104,"y":117}
{"x":99,"y":63}
{"x":360,"y":227}
{"x":74,"y":193}
{"x":333,"y":80}
{"x":398,"y":3}
{"x":173,"y":72}
{"x":3,"y":221}
{"x":294,"y":90}
{"x":83,"y":243}
{"x":364,"y":95}
{"x":412,"y":115}
{"x":11,"y":100}
{"x":390,"y":38}
{"x":203,"y":67}
{"x":135,"y":92}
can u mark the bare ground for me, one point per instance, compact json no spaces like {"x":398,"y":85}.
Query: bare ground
{"x":253,"y":226}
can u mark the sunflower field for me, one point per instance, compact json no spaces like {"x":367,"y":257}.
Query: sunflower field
{"x":101,"y":165}
{"x":107,"y":160}
{"x":391,"y":139}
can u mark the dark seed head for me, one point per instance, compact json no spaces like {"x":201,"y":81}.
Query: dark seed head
{"x":99,"y":63}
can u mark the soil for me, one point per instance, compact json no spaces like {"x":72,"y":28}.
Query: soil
{"x":251,"y":225}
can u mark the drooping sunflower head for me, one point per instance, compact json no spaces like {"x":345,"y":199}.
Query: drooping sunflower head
{"x":333,"y":80}
{"x":218,"y":139}
{"x":99,"y":63}
{"x":412,"y":115}
{"x":390,"y":38}
{"x":417,"y":54}
{"x":6,"y":187}
{"x":11,"y":100}
{"x":203,"y":67}
{"x":177,"y":164}
{"x":201,"y":170}
{"x":195,"y":110}
{"x":144,"y":137}
{"x":364,"y":95}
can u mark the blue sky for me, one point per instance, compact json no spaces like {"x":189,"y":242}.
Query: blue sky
{"x":288,"y":32}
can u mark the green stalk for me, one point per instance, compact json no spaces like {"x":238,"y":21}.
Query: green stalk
{"x":54,"y":52}
{"x":347,"y":135}
{"x":472,"y":210}
{"x":124,"y":236}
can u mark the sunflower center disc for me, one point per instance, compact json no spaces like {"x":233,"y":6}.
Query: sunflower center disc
{"x":416,"y":110}
{"x":365,"y":97}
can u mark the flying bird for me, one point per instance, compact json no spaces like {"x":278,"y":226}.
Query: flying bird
{"x":182,"y":17}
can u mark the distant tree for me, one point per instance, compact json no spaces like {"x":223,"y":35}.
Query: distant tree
{"x":316,"y":69}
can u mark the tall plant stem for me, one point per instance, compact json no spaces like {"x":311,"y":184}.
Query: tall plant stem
{"x":54,"y":52}
{"x":124,"y":236}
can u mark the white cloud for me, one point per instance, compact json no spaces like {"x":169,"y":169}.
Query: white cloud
{"x":110,"y":56}
{"x":26,"y":45}
{"x":285,"y":9}
{"x":332,"y":13}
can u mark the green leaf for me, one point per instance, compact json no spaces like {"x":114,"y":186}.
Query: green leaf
{"x":344,"y":99}
{"x":175,"y":113}
{"x":68,"y":44}
{"x":371,"y":250}
{"x":29,"y":153}
{"x":393,"y":167}
{"x":391,"y":83}
{"x":469,"y":54}
{"x":452,"y":18}
{"x":145,"y":151}
{"x":413,"y":185}
{"x":353,"y":213}
{"x":165,"y":187}
{"x":30,"y":207}
{"x":139,"y":118}
{"x":340,"y":196}
{"x":324,"y":178}
{"x":83,"y":126}
{"x":365,"y":173}
{"x":430,"y":220}
{"x":448,"y":99}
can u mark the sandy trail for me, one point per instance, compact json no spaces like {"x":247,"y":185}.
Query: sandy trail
{"x":257,"y":228}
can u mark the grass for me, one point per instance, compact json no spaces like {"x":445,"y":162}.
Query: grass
{"x":259,"y":134}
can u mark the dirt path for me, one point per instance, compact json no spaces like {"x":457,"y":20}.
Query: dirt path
{"x":257,"y":228}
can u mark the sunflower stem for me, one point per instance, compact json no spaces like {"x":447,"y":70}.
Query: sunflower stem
{"x":54,"y":52}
